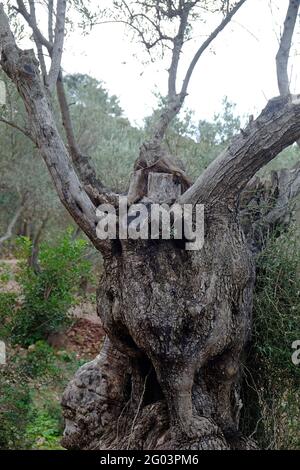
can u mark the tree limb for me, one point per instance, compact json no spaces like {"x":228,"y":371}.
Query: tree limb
{"x":57,"y":48}
{"x":81,"y":162}
{"x":22,"y":68}
{"x":26,"y":15}
{"x":93,"y":185}
{"x":33,"y":260}
{"x":175,"y":101}
{"x":177,"y":48}
{"x":50,"y":21}
{"x":207,"y":43}
{"x":266,"y":204}
{"x":20,"y":129}
{"x":276,"y":128}
{"x":11,"y":225}
{"x":39,"y":46}
{"x":283,"y":54}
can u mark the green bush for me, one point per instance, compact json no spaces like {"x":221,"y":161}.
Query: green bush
{"x":273,"y":381}
{"x":277,"y":306}
{"x":31,"y":385}
{"x":49,"y":293}
{"x":5,"y":273}
{"x":40,"y":361}
{"x":45,"y":428}
{"x":15,"y":401}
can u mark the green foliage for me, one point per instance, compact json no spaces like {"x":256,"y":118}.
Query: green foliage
{"x":40,"y":361}
{"x":31,"y":385}
{"x":49,"y":293}
{"x":7,"y":311}
{"x":196,"y":145}
{"x":5,"y":273}
{"x":277,"y":306}
{"x":14,"y":409}
{"x":272,"y":395}
{"x":46,"y":426}
{"x":223,"y":127}
{"x":102,"y":130}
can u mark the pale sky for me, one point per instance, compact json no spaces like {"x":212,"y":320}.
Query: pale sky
{"x":240,"y":64}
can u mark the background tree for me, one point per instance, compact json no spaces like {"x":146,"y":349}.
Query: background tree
{"x":177,"y":322}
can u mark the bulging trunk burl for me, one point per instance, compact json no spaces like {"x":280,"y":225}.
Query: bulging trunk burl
{"x":180,"y":320}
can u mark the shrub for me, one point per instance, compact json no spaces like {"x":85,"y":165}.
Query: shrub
{"x":49,"y":293}
{"x":45,"y":428}
{"x":15,"y":403}
{"x":40,"y":361}
{"x":273,"y":380}
{"x":5,"y":273}
{"x":277,"y":306}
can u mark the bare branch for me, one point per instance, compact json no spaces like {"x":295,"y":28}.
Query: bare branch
{"x":39,"y":46}
{"x":177,"y":48}
{"x":22,"y":68}
{"x":82,"y":163}
{"x":50,"y":21}
{"x":57,"y":49}
{"x":207,"y":43}
{"x":276,"y":128}
{"x":11,"y":225}
{"x":176,"y":100}
{"x":26,"y":15}
{"x":20,"y":129}
{"x":283,"y":54}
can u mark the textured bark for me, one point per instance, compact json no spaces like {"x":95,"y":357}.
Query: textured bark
{"x":182,"y":319}
{"x":277,"y":127}
{"x":58,"y":44}
{"x":177,"y":322}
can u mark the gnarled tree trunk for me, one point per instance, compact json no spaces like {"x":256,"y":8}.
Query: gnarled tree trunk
{"x":177,"y":321}
{"x":182,"y":320}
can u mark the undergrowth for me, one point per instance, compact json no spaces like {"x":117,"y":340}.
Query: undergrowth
{"x":272,"y":393}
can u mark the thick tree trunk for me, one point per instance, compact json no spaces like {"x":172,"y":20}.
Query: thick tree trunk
{"x":177,"y":322}
{"x":180,"y":321}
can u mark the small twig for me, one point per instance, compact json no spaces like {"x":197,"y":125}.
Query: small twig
{"x":19,"y":128}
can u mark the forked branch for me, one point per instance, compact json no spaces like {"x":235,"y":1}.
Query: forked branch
{"x":176,"y":100}
{"x":54,"y":47}
{"x":22,"y":68}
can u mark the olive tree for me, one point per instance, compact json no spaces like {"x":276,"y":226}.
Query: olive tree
{"x":177,"y":321}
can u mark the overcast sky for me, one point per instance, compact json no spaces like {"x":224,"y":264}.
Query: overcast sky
{"x":240,"y":64}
